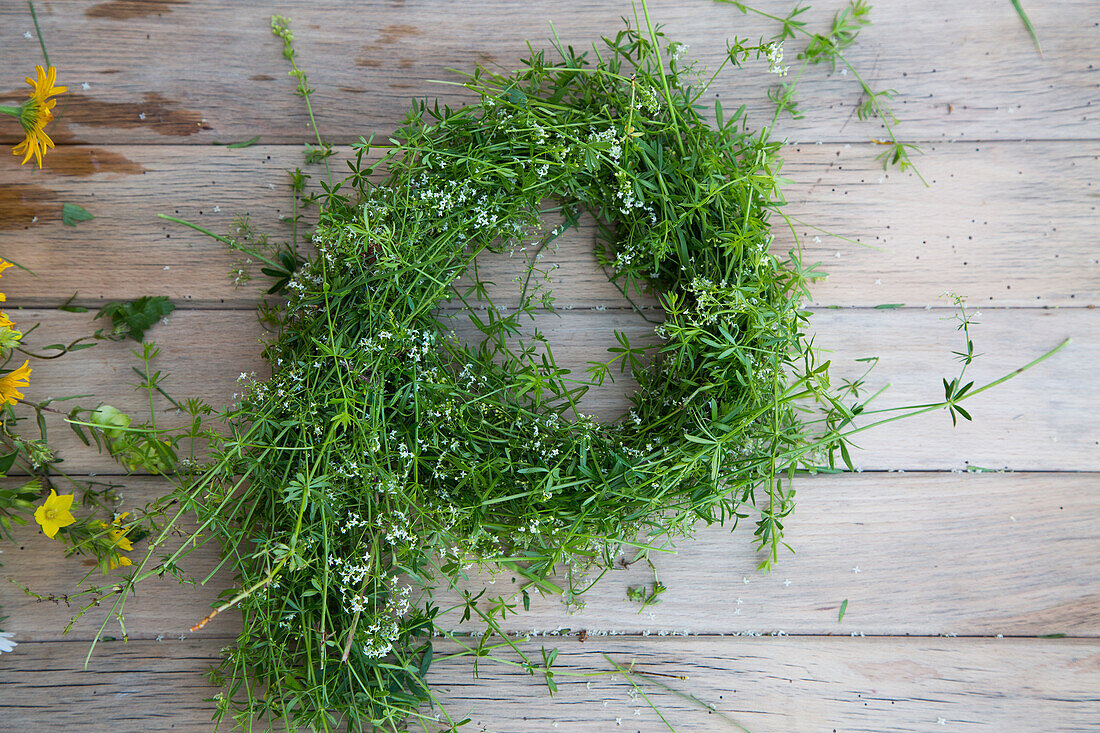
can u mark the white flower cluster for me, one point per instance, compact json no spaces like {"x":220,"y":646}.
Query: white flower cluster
{"x":647,"y":98}
{"x":610,"y":135}
{"x":774,"y":53}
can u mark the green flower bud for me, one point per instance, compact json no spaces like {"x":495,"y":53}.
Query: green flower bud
{"x":109,"y":419}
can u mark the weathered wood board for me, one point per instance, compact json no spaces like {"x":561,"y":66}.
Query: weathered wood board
{"x":766,"y":685}
{"x":925,"y":554}
{"x":1005,"y":240}
{"x":1040,"y":420}
{"x":209,"y":70}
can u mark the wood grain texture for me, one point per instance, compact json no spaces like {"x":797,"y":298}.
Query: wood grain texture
{"x":206,"y":70}
{"x":1041,"y":420}
{"x":914,"y":554}
{"x":773,"y":685}
{"x":983,"y":228}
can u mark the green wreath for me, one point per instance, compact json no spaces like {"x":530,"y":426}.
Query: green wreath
{"x":385,"y":455}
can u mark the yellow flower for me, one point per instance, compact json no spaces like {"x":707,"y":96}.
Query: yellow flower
{"x":11,"y":383}
{"x":118,"y":536}
{"x":118,"y":561}
{"x":5,"y":322}
{"x":54,"y":513}
{"x":118,"y":540}
{"x":36,"y":112}
{"x":5,"y":265}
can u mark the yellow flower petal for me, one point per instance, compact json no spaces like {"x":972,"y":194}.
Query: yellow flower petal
{"x":36,"y":113}
{"x":119,"y":561}
{"x":11,"y":385}
{"x":53,"y":514}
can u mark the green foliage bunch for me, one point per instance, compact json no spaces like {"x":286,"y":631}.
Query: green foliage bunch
{"x":385,"y":456}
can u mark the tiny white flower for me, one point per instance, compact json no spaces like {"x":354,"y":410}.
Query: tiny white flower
{"x":85,"y":85}
{"x":27,"y":35}
{"x":787,"y":583}
{"x":7,"y":642}
{"x":856,"y":569}
{"x":141,"y":115}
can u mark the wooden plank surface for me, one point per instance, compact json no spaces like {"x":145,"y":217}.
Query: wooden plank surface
{"x":1005,"y":240}
{"x":1041,"y":420}
{"x":1018,"y":557}
{"x":205,"y":70}
{"x":772,"y":685}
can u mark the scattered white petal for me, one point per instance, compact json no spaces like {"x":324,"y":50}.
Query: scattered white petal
{"x":1012,"y":517}
{"x":878,"y":281}
{"x":1000,"y":636}
{"x":167,"y":267}
{"x":7,"y":642}
{"x":941,"y":721}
